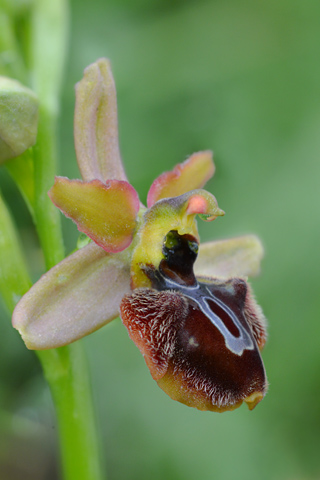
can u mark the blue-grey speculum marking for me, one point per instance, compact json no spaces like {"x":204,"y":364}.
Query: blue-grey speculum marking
{"x":200,"y":294}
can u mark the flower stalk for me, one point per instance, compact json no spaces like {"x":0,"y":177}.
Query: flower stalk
{"x":67,"y":374}
{"x":65,"y":369}
{"x":47,"y":218}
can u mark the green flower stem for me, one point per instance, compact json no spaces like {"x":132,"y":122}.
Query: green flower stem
{"x":47,"y":49}
{"x":66,"y":372}
{"x":46,"y":214}
{"x":65,"y":369}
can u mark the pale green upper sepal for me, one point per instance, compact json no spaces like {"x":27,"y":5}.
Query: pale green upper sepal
{"x":96,"y":124}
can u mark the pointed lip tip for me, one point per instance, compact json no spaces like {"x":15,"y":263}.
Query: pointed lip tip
{"x":253,"y":399}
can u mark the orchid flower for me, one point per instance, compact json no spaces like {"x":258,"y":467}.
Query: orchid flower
{"x":188,"y":308}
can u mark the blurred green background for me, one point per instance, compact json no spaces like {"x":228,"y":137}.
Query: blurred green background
{"x":243,"y":79}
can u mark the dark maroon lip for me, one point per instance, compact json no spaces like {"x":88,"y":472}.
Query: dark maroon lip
{"x":197,"y":337}
{"x":179,"y":340}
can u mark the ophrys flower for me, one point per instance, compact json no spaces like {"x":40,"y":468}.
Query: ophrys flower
{"x":200,"y":335}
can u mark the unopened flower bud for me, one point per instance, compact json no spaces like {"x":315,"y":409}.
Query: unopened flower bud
{"x":18,"y":118}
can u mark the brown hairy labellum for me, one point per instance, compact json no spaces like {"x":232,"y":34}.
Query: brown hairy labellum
{"x":200,"y":338}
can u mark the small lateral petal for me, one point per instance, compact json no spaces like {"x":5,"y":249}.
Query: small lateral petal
{"x":96,"y":124}
{"x":73,"y":299}
{"x":106,"y":212}
{"x":189,"y":175}
{"x":236,"y":257}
